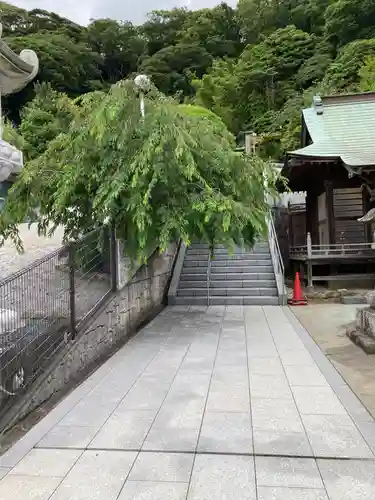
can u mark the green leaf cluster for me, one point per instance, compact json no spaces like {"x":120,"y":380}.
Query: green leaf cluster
{"x":174,"y":174}
{"x":249,"y":64}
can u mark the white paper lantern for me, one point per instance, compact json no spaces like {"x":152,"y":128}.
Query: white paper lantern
{"x":4,"y":172}
{"x":11,"y":160}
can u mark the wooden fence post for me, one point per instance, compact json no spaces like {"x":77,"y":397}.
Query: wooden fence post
{"x":309,"y":261}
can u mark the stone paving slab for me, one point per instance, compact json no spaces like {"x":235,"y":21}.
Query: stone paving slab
{"x":205,"y":403}
{"x":222,"y":477}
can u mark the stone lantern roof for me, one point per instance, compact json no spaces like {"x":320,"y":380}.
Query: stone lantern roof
{"x":16,"y":71}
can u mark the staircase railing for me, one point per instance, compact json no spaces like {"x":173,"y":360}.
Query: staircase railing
{"x":208,"y":276}
{"x":277,"y":261}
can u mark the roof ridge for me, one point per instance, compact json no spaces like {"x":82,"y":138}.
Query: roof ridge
{"x":346,"y":103}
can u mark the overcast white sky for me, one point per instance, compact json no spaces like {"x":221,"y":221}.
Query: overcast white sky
{"x":81,"y":11}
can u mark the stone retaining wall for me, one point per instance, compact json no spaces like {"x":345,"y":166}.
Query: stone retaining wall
{"x":109,"y":329}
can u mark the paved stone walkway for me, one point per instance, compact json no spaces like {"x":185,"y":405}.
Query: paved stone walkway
{"x":218,"y":403}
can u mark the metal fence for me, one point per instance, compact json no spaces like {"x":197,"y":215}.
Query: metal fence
{"x":46,"y":304}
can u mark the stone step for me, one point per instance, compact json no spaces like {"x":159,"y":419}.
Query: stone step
{"x":191,"y":301}
{"x":222,"y":301}
{"x":192,"y":284}
{"x":199,"y":256}
{"x":241,"y":251}
{"x":195,"y":260}
{"x":224,"y":251}
{"x":246,"y":301}
{"x":202,"y":271}
{"x":192,"y":292}
{"x":193,"y":277}
{"x":223,"y":248}
{"x":241,"y":263}
{"x":238,"y":276}
{"x":227,"y":257}
{"x":257,"y":245}
{"x":241,"y":270}
{"x":255,"y":283}
{"x":195,"y":263}
{"x":190,"y":263}
{"x":200,"y":246}
{"x":241,"y":256}
{"x":230,"y":292}
{"x":244,"y":292}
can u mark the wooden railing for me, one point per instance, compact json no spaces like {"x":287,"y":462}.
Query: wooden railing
{"x":312,"y":254}
{"x":336,"y":250}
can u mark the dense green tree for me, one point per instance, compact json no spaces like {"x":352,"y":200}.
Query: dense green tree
{"x":69,"y":66}
{"x":367,"y":75}
{"x":172,"y":174}
{"x":260,"y":82}
{"x":218,"y":91}
{"x":19,"y":22}
{"x":171,"y":69}
{"x":42,"y":20}
{"x":12,"y":135}
{"x":348,"y":20}
{"x":251,"y":65}
{"x":217,"y":30}
{"x":163,"y":28}
{"x":309,"y":15}
{"x":313,"y":69}
{"x":286,"y":127}
{"x":120,"y":46}
{"x":204,"y":113}
{"x":15,"y":21}
{"x":343,"y":73}
{"x":286,"y":50}
{"x":44,"y":118}
{"x":259,"y":18}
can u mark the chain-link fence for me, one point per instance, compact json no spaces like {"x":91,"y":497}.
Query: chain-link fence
{"x":44,"y":305}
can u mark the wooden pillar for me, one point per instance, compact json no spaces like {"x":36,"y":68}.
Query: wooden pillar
{"x":290,"y":228}
{"x":312,"y":216}
{"x":366,"y":208}
{"x":309,"y":262}
{"x":303,"y":136}
{"x":330,"y":212}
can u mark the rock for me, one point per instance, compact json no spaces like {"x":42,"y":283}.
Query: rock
{"x":353,"y":299}
{"x":343,"y":292}
{"x":331,"y":294}
{"x":370,"y":298}
{"x":357,"y":337}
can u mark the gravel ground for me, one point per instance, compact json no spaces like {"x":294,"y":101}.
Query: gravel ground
{"x":35,"y":248}
{"x":326,"y":324}
{"x":44,"y":291}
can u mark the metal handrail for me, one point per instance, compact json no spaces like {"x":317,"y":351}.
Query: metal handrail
{"x":208,"y":276}
{"x":277,"y":260}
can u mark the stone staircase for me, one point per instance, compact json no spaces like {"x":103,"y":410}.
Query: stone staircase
{"x":245,"y":278}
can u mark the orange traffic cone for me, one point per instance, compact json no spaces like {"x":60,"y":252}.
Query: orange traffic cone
{"x":298,"y":298}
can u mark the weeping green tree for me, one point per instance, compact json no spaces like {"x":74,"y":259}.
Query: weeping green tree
{"x":173,"y":174}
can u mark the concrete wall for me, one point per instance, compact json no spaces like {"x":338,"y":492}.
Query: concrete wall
{"x":107,"y":331}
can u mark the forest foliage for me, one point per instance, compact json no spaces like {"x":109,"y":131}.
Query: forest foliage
{"x":91,"y":157}
{"x":174,"y":173}
{"x":254,"y":65}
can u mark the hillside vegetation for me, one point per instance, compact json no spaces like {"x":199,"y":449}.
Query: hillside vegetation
{"x":255,"y":66}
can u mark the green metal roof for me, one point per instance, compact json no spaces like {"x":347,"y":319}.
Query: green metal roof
{"x":341,"y":127}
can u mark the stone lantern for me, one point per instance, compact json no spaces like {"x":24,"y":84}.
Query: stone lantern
{"x":16,"y":71}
